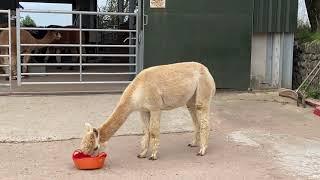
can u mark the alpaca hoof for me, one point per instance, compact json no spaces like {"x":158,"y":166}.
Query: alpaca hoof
{"x":152,"y":158}
{"x":141,"y":156}
{"x":200,"y":154}
{"x":192,"y":145}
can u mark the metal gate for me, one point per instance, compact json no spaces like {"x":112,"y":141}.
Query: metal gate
{"x":133,"y":62}
{"x":5,"y":49}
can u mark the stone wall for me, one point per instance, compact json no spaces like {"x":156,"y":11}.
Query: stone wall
{"x":305,"y":58}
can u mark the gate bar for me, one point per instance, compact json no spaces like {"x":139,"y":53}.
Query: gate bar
{"x":80,"y":45}
{"x":10,"y":53}
{"x":18,"y":47}
{"x":73,"y":29}
{"x":73,"y":82}
{"x":74,"y":45}
{"x":77,"y":12}
{"x":77,"y":64}
{"x":87,"y":55}
{"x":77,"y":73}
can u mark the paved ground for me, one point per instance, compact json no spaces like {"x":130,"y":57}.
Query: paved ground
{"x":41,"y":118}
{"x":255,"y":136}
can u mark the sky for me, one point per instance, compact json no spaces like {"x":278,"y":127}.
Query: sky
{"x":302,"y":11}
{"x":47,"y":19}
{"x":50,"y":19}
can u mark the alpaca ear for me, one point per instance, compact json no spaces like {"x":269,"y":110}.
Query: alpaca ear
{"x":96,"y":132}
{"x":89,"y":128}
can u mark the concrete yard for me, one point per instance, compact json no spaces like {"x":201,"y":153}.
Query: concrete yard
{"x":254,"y":136}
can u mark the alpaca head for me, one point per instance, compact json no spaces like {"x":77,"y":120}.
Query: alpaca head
{"x":55,"y":34}
{"x":90,"y":142}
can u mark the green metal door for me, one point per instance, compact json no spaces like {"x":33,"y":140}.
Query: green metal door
{"x":216,"y":33}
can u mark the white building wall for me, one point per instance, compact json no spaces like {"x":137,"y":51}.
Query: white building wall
{"x":271,"y":60}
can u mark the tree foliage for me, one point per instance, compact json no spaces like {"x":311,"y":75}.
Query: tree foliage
{"x":28,"y":22}
{"x":107,"y":21}
{"x":313,"y":9}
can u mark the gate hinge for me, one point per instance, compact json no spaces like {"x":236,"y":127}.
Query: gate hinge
{"x":145,"y":19}
{"x":139,"y":38}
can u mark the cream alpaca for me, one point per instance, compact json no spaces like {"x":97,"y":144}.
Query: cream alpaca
{"x":155,"y":89}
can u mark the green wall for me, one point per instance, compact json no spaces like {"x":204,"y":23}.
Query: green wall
{"x":275,"y":15}
{"x":214,"y":32}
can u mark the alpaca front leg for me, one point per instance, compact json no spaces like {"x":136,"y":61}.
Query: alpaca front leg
{"x":74,"y":58}
{"x":196,"y":126}
{"x":145,"y":117}
{"x":26,"y":59}
{"x":25,"y":67}
{"x":13,"y":66}
{"x":6,"y":70}
{"x":6,"y":61}
{"x":48,"y":51}
{"x":154,"y":129}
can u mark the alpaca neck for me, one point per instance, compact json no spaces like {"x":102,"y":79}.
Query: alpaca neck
{"x":47,"y":39}
{"x":115,"y":121}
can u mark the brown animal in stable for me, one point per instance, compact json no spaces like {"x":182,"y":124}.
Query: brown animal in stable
{"x":158,"y":88}
{"x":25,"y":38}
{"x":67,"y":37}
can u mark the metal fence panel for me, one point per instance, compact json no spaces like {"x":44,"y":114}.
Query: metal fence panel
{"x":6,"y":56}
{"x":133,"y":54}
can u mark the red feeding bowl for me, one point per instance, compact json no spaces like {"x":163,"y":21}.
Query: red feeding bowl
{"x":317,"y":111}
{"x":84,"y":161}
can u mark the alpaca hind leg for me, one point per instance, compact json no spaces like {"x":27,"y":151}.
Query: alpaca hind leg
{"x":74,"y":58}
{"x":13,"y":72}
{"x":13,"y":66}
{"x":6,"y":70}
{"x":84,"y":58}
{"x":204,"y":94}
{"x":154,"y":129}
{"x":196,"y":134}
{"x":5,"y":61}
{"x":2,"y":62}
{"x":2,"y":69}
{"x":58,"y":58}
{"x":145,"y":117}
{"x":202,"y":114}
{"x":26,"y":59}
